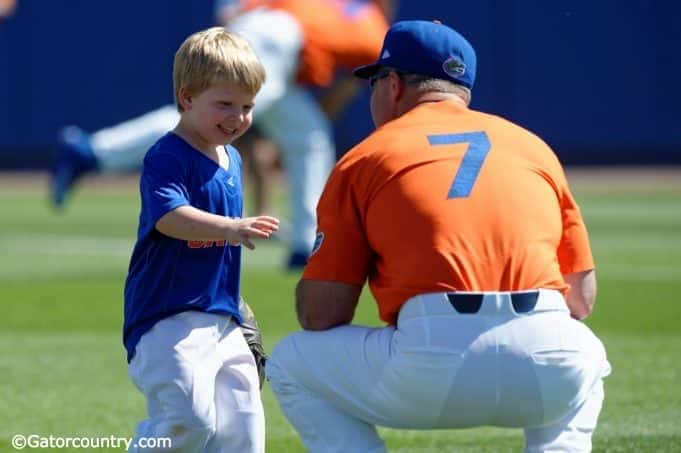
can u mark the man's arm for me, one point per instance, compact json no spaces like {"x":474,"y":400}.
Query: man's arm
{"x":324,"y":304}
{"x":582,"y":295}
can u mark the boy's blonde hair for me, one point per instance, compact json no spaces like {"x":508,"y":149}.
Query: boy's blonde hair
{"x":215,"y":56}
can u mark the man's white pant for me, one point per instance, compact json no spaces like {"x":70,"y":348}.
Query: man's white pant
{"x":284,"y":112}
{"x":122,"y":147}
{"x":201,"y":385}
{"x":439,"y":369}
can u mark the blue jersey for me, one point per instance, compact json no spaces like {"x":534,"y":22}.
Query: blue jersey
{"x":167,"y":276}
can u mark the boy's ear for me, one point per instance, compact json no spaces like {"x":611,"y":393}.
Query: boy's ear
{"x":184,"y":98}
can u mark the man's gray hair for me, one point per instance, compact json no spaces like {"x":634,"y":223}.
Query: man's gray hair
{"x":427,"y":83}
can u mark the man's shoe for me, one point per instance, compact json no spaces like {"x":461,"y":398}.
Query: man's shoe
{"x":75,"y":157}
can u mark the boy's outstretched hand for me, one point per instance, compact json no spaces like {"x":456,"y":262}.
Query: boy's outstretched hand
{"x":244,"y":229}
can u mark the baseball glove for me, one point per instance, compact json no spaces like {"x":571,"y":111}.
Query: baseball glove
{"x":251,"y":331}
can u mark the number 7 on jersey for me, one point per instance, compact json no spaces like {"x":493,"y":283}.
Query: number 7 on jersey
{"x":474,"y":157}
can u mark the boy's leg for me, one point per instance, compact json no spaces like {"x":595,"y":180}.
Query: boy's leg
{"x":175,"y":366}
{"x":240,"y":419}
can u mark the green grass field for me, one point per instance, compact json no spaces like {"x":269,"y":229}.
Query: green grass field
{"x":63,"y":370}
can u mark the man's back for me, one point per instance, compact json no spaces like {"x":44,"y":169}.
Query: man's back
{"x":453,"y":199}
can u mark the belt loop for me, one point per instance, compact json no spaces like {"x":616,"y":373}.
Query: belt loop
{"x":524,"y":302}
{"x":465,"y":303}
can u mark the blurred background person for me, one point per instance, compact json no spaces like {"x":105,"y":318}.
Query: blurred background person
{"x":7,"y":8}
{"x":303,"y":44}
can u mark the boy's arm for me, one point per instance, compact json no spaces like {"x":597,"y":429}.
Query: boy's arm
{"x":192,"y":224}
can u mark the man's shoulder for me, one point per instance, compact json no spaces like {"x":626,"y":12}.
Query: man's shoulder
{"x":369,"y":148}
{"x":499,"y":124}
{"x":521,"y":141}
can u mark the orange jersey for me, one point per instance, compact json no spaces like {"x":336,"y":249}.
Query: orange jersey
{"x":337,"y":34}
{"x":445,"y":198}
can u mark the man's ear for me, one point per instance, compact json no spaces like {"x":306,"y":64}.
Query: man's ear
{"x":184,"y":98}
{"x":396,"y":87}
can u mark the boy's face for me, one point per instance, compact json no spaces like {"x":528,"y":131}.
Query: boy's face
{"x":220,"y":114}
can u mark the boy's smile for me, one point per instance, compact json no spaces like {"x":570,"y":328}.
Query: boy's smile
{"x":216,"y":116}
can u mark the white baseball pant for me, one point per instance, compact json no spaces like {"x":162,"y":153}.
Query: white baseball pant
{"x":122,"y":147}
{"x":201,"y":385}
{"x":439,"y":369}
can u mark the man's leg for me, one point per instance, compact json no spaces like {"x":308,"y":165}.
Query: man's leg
{"x":308,"y":154}
{"x":294,"y":122}
{"x":324,"y":383}
{"x":573,"y":431}
{"x":571,"y":434}
{"x":116,"y":149}
{"x":122,"y":147}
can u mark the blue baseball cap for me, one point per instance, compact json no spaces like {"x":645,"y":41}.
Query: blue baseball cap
{"x":426,"y":48}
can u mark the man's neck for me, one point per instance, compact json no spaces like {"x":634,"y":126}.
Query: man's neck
{"x":410,"y":102}
{"x":438,"y":96}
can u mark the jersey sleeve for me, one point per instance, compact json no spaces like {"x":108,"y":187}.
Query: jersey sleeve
{"x":574,"y":250}
{"x":341,"y":251}
{"x":163,"y":188}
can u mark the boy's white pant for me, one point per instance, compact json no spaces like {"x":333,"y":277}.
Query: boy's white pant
{"x":439,"y":369}
{"x":201,"y":385}
{"x":284,"y":112}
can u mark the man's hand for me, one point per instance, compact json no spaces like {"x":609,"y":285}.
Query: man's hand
{"x":582,"y":294}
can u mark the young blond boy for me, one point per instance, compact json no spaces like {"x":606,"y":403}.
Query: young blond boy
{"x":186,"y":352}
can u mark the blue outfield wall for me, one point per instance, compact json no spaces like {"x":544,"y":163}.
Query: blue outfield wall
{"x":600,"y":81}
